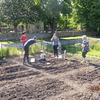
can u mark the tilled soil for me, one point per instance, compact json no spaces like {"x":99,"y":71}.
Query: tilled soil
{"x":62,"y":79}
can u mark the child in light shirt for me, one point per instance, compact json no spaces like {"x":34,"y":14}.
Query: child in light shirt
{"x":59,"y":48}
{"x":86,"y":48}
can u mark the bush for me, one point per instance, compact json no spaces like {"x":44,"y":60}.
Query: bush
{"x":33,"y":49}
{"x":10,"y":51}
{"x":95,"y":45}
{"x":4,"y":52}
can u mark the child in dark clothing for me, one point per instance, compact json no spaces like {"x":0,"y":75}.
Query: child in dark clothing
{"x":26,"y":48}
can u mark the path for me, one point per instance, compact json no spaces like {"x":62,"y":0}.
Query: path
{"x":43,"y":43}
{"x":47,"y":43}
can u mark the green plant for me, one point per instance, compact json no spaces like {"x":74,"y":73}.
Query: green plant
{"x":78,"y":44}
{"x":33,"y":49}
{"x":48,"y":48}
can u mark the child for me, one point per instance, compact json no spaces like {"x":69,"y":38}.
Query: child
{"x":86,"y":48}
{"x":23,"y":40}
{"x":59,"y":48}
{"x":42,"y":56}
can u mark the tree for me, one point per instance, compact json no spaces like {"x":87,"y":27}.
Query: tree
{"x":87,"y":13}
{"x":52,"y":9}
{"x":11,"y":13}
{"x":19,"y":11}
{"x":63,"y":21}
{"x":94,"y":15}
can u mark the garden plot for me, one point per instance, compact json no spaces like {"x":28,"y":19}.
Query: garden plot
{"x":59,"y":80}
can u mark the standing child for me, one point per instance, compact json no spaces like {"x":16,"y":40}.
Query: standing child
{"x":59,"y":48}
{"x":86,"y":48}
{"x":23,"y":40}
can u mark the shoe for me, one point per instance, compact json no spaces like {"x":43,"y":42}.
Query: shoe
{"x":25,"y":64}
{"x":83,"y":61}
{"x":87,"y":60}
{"x":30,"y":63}
{"x":21,"y":57}
{"x":56,"y":57}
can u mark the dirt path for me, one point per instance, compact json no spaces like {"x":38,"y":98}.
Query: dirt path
{"x":57,"y":81}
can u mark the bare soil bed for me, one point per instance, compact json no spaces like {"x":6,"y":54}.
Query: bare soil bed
{"x":62,"y":79}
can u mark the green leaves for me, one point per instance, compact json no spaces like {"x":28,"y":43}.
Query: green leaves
{"x":88,"y":13}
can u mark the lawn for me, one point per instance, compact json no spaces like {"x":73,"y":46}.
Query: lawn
{"x":47,"y":39}
{"x":70,"y":49}
{"x":73,"y":38}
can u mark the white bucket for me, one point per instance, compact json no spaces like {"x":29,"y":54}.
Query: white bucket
{"x":48,"y":63}
{"x":32,"y":60}
{"x":60,"y":56}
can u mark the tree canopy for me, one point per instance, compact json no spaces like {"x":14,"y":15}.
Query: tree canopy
{"x":87,"y":13}
{"x":66,"y":13}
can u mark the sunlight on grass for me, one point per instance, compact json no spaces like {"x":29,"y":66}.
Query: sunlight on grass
{"x":70,"y":49}
{"x":10,"y":42}
{"x":73,"y":38}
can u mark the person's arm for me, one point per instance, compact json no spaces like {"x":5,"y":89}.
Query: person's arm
{"x":37,"y":46}
{"x":23,"y":40}
{"x":83,"y":45}
{"x":58,"y":40}
{"x":89,"y":46}
{"x":52,"y":38}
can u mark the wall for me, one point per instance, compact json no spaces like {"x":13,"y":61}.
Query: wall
{"x":36,"y":28}
{"x":12,"y":36}
{"x":47,"y":35}
{"x":64,"y":34}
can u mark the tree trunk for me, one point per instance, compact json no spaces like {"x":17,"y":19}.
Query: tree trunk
{"x":53,"y":28}
{"x":26,"y":28}
{"x":15,"y":27}
{"x":22,"y":28}
{"x":81,"y":27}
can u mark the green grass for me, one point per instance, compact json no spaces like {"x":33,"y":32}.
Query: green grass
{"x":93,"y":53}
{"x":12,"y":51}
{"x":73,"y":38}
{"x":11,"y":41}
{"x":9,"y":52}
{"x":46,"y":39}
{"x":33,"y":49}
{"x":70,"y":49}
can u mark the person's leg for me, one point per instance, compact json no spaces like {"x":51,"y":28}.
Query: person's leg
{"x":84,"y":55}
{"x":22,"y":50}
{"x":25,"y":55}
{"x":54,"y":50}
